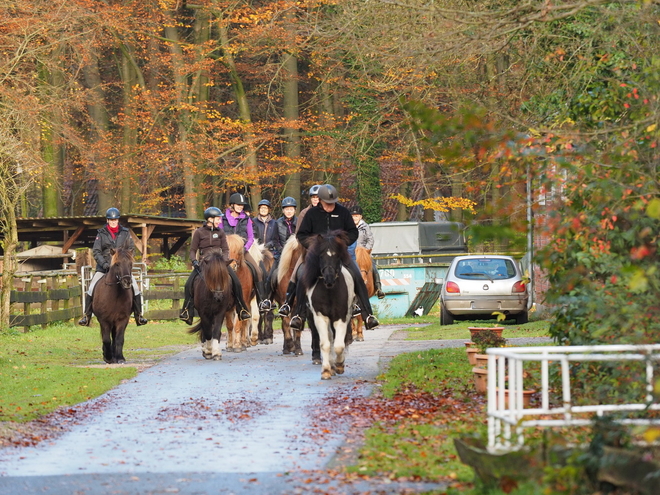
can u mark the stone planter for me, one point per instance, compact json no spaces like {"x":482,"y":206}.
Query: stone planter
{"x":481,"y":360}
{"x":527,"y":396}
{"x":471,"y":353}
{"x":475,"y":330}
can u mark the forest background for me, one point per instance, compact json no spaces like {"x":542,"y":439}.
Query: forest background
{"x":475,"y":110}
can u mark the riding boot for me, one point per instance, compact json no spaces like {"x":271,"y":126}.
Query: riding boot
{"x":237,"y":291}
{"x":137,"y":311}
{"x":187,"y":312}
{"x":263,"y":293}
{"x":300,"y":312}
{"x":285,"y":309}
{"x":87,"y":316}
{"x":370,"y":321}
{"x":379,"y":289}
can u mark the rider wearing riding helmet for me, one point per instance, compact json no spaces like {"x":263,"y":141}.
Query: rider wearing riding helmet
{"x":366,"y":240}
{"x":236,"y":221}
{"x":286,"y":224}
{"x":266,"y":228}
{"x":313,"y":201}
{"x":327,"y":216}
{"x":207,"y":237}
{"x":110,"y":237}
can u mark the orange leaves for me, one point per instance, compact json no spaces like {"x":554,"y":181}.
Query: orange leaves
{"x":438,"y":204}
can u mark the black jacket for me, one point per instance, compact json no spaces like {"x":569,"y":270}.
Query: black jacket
{"x":205,"y":238}
{"x":318,"y":221}
{"x":104,"y":243}
{"x":285,"y":229}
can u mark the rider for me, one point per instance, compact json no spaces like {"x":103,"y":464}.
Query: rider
{"x":313,"y":201}
{"x":236,"y":221}
{"x":210,"y":235}
{"x":266,"y":228}
{"x":327,"y":216}
{"x":366,"y":240}
{"x":110,"y":237}
{"x":286,"y":224}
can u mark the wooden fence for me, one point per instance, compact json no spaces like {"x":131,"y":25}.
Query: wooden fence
{"x":40,"y":298}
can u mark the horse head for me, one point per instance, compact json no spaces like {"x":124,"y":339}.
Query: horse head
{"x":332,"y":252}
{"x":121,"y":267}
{"x":214,"y":273}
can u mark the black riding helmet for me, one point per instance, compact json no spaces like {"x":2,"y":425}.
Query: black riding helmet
{"x":112,"y":214}
{"x":356,"y":210}
{"x":328,"y":193}
{"x":289,"y":201}
{"x":238,"y":199}
{"x":212,"y":212}
{"x":264,"y":202}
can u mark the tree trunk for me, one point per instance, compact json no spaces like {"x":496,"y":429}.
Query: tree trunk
{"x":129,"y":140}
{"x":9,"y":244}
{"x":291,"y":132}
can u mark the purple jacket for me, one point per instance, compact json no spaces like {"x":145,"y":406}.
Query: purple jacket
{"x":241,"y":225}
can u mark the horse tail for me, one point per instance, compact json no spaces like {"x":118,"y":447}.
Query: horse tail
{"x":196,"y":329}
{"x":287,"y":258}
{"x":236,"y":247}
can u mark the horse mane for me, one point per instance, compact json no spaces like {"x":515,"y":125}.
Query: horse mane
{"x":214,"y":271}
{"x":288,"y":257}
{"x":236,"y":247}
{"x":336,"y":240}
{"x":363,"y":258}
{"x":121,"y":253}
{"x":257,"y":251}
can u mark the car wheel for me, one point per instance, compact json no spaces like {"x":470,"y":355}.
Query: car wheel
{"x":522,"y":318}
{"x":446,"y":318}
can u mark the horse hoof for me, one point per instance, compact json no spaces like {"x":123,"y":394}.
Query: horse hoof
{"x":121,"y":361}
{"x":326,"y":375}
{"x":298,"y":352}
{"x":217,"y":358}
{"x":316,"y":361}
{"x":286,"y":351}
{"x":207,"y":356}
{"x":268,"y":341}
{"x":340,"y":369}
{"x":359,"y":339}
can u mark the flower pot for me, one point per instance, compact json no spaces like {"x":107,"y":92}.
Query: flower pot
{"x":481,"y":360}
{"x":527,"y":396}
{"x":469,"y":343}
{"x":475,"y":330}
{"x":480,"y":379}
{"x":471,"y":353}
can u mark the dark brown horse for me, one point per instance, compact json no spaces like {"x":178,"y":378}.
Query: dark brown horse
{"x":363,"y":260}
{"x":112,"y":302}
{"x":292,"y":251}
{"x":329,"y":288}
{"x":265,"y":326}
{"x":212,"y":299}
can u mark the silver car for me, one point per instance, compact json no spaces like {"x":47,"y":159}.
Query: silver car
{"x":476,"y":286}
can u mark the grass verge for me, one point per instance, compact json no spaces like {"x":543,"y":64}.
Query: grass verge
{"x":62,"y":365}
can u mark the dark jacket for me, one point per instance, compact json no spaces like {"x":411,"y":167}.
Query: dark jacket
{"x":266,"y":232}
{"x":285,"y":229}
{"x":241,"y":225}
{"x":318,"y":221}
{"x":104,"y":243}
{"x":205,"y":238}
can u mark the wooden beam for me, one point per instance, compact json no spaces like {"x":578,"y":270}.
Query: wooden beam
{"x":136,"y":240}
{"x":72,"y":239}
{"x":177,"y":245}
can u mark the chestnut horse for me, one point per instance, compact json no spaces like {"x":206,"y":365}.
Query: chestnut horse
{"x":112,"y":302}
{"x":237,"y":331}
{"x":212,"y":298}
{"x":363,"y":259}
{"x":329,"y":288}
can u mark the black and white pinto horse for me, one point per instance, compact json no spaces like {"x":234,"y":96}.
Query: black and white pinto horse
{"x":330,"y":293}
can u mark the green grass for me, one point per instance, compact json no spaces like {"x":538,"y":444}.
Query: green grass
{"x":459,"y":330}
{"x":63,"y":364}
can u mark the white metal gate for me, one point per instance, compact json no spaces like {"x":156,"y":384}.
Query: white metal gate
{"x":139,"y":272}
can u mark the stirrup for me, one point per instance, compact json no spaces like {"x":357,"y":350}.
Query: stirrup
{"x":284,"y":310}
{"x":140,"y":320}
{"x":186,"y":316}
{"x":380,"y":294}
{"x":296,"y":322}
{"x":85,"y":320}
{"x":356,"y":311}
{"x":371,"y":322}
{"x":265,"y":306}
{"x":244,"y":315}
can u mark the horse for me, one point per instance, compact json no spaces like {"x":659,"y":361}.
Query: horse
{"x":363,"y":260}
{"x":112,"y":302}
{"x":291,"y":252}
{"x":212,"y":299}
{"x":329,"y":288}
{"x":265,"y":325}
{"x":237,"y":330}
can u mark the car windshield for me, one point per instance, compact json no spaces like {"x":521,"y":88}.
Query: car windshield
{"x":485,"y":268}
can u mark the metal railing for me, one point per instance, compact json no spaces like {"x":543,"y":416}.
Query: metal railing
{"x":507,"y":415}
{"x":139,"y":272}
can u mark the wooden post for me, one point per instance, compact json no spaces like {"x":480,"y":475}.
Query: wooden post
{"x":43,"y":287}
{"x":26,"y":306}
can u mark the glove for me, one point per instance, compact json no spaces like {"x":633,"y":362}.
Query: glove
{"x":195,"y":264}
{"x":106,"y":267}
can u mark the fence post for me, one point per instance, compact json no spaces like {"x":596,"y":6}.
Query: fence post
{"x":43,"y":307}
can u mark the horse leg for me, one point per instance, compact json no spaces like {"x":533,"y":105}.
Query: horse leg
{"x":341,"y":329}
{"x":252,"y":339}
{"x":107,"y":342}
{"x":358,"y":332}
{"x":120,"y":331}
{"x":316,"y":345}
{"x":268,"y":328}
{"x":322,"y":325}
{"x":288,"y":347}
{"x":229,"y":321}
{"x":216,"y":352}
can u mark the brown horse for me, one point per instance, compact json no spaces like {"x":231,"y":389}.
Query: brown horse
{"x":237,"y":331}
{"x":363,"y":259}
{"x":265,"y":325}
{"x":112,"y":302}
{"x":213,"y":297}
{"x":292,"y":251}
